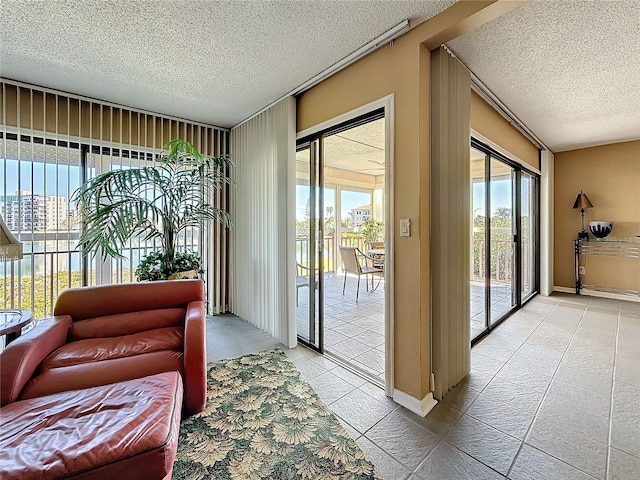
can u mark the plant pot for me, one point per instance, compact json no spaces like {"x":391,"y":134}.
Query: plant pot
{"x":183,"y":275}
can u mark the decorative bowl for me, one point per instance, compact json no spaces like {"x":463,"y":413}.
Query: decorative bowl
{"x":600,"y":229}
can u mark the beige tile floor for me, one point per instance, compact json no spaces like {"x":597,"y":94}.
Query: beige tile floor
{"x":554,"y":393}
{"x":354,"y":331}
{"x":500,"y":304}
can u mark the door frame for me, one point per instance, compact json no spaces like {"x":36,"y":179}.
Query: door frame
{"x":387,"y":105}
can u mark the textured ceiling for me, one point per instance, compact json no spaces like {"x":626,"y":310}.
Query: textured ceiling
{"x":217,"y":62}
{"x":569,"y":70}
{"x":359,"y":149}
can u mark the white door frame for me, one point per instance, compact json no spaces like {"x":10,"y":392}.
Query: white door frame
{"x":387,"y":103}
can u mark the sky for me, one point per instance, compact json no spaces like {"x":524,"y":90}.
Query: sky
{"x":32,"y":178}
{"x":350,"y":200}
{"x":501,"y":196}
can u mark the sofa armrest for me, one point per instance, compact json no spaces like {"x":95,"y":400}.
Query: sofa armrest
{"x":21,"y":358}
{"x":195,"y":358}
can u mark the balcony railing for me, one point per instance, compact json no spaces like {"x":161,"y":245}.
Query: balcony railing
{"x":35,"y":282}
{"x":329,"y":249}
{"x":501,"y":263}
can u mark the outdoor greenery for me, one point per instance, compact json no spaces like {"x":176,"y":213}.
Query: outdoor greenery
{"x":153,"y":202}
{"x":42,"y":290}
{"x":501,"y":245}
{"x":329,"y":220}
{"x":371,"y":230}
{"x":46,"y":289}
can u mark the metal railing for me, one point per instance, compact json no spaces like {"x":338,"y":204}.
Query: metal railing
{"x":35,"y":282}
{"x":329,"y":249}
{"x":501,"y":260}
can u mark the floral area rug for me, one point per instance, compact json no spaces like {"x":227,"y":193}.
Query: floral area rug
{"x":263,"y":421}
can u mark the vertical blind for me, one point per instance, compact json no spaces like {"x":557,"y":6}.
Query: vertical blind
{"x":50,"y":142}
{"x":263,"y":255}
{"x":450,"y":221}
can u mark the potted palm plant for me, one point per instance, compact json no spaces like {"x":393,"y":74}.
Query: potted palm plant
{"x":155,"y":202}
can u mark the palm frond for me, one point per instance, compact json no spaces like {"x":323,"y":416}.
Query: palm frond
{"x":153,"y":202}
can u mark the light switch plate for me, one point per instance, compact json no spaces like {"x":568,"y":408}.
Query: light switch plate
{"x":405,"y":227}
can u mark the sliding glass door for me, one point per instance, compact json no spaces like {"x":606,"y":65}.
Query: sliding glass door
{"x":504,"y":228}
{"x":309,"y":251}
{"x":478,"y":243}
{"x":528,"y":232}
{"x":340,"y":243}
{"x":501,"y":245}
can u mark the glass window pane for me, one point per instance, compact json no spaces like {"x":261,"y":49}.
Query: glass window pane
{"x":478,"y":245}
{"x":36,"y":185}
{"x":502,"y":278}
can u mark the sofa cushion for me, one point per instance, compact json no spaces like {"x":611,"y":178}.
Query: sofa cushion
{"x":127,"y":430}
{"x":99,"y":349}
{"x":92,"y":374}
{"x":126,"y":323}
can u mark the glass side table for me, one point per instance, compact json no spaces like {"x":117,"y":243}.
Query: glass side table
{"x":12,"y":322}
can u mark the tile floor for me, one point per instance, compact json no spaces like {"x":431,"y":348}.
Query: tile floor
{"x":354,"y":331}
{"x":554,"y":393}
{"x":500,"y":304}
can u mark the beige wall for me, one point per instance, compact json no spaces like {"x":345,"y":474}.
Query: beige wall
{"x":489,"y":123}
{"x":403,"y":69}
{"x":392,"y":70}
{"x":610,"y":176}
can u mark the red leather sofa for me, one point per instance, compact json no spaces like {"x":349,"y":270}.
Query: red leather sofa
{"x":119,"y":343}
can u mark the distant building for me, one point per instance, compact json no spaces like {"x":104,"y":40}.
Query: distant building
{"x":26,"y":211}
{"x":359,"y":215}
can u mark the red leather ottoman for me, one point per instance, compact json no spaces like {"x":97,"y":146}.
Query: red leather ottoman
{"x":126,"y":430}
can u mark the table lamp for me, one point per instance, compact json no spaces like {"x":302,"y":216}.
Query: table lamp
{"x":10,"y":250}
{"x":10,"y":247}
{"x":582,"y":202}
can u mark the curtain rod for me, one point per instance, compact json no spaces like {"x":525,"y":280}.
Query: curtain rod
{"x":481,"y":89}
{"x":388,"y":36}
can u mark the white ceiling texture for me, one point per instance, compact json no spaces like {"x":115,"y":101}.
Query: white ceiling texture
{"x":217,"y":62}
{"x":568,"y":69}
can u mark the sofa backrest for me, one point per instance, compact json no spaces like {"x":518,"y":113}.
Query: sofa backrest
{"x":101,"y":301}
{"x":126,"y":323}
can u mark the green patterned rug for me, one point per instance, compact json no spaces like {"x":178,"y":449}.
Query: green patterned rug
{"x":263,"y":421}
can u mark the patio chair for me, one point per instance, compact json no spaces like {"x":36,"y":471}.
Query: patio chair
{"x":302,"y":278}
{"x":378,"y":259}
{"x":359,"y":264}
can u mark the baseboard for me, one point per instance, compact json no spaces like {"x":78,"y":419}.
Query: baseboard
{"x":419,"y":407}
{"x":595,"y":293}
{"x":564,"y":289}
{"x":611,"y":295}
